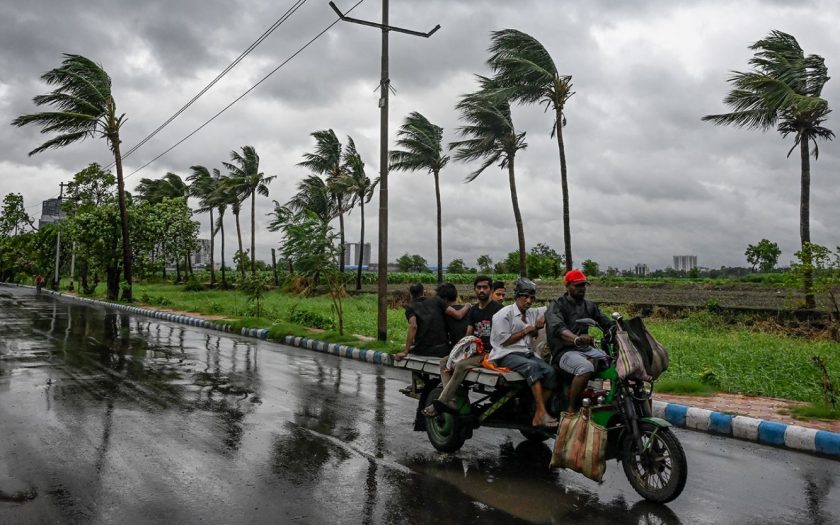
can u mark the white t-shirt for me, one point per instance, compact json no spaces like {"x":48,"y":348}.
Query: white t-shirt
{"x":508,"y":321}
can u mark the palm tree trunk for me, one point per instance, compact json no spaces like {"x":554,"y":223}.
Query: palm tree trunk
{"x":126,"y":243}
{"x":805,"y":222}
{"x":241,"y":263}
{"x":439,"y":229}
{"x":341,"y":232}
{"x":253,"y":249}
{"x":564,"y":184}
{"x":212,"y":250}
{"x":222,"y":231}
{"x":520,"y":230}
{"x":361,"y":247}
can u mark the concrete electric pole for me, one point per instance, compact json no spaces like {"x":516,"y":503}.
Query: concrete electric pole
{"x":384,"y":86}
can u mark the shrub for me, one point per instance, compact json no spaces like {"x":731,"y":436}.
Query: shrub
{"x":311,"y":319}
{"x":193,"y":285}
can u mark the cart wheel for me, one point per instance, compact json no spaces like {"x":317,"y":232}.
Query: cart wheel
{"x":537,"y":436}
{"x":445,"y":430}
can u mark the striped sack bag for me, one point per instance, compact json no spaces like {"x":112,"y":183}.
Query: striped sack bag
{"x":581,"y":445}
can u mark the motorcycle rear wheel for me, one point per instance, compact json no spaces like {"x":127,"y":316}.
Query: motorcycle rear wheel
{"x":658,"y":472}
{"x":444,"y":430}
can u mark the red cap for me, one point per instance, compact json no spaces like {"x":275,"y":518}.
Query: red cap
{"x":574,"y":276}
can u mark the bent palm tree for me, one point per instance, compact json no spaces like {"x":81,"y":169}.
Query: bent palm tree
{"x":85,"y":107}
{"x":490,"y":136}
{"x":171,"y":186}
{"x":203,"y":186}
{"x":245,"y":171}
{"x":359,"y":186}
{"x":525,"y":70}
{"x":220,"y":199}
{"x":230,"y":192}
{"x":326,"y":160}
{"x":421,"y":142}
{"x":784,"y":90}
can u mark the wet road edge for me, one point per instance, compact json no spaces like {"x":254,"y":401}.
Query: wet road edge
{"x":766,"y":432}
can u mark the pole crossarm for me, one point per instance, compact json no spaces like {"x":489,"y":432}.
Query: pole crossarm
{"x":381,"y":26}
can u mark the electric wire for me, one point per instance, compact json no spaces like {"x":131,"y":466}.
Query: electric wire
{"x":240,"y":97}
{"x":285,"y":16}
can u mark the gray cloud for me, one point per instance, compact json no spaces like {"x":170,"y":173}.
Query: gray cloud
{"x":648,"y":179}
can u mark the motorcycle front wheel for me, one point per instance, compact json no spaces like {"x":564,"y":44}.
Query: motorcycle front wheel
{"x":657,"y":472}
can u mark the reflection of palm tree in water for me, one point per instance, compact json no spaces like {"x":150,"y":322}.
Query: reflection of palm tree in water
{"x":371,"y":492}
{"x":300,"y":455}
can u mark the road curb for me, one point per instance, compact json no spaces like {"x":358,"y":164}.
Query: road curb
{"x":761,"y":431}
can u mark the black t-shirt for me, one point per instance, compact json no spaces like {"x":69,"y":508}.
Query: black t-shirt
{"x":431,"y":338}
{"x":563,"y":313}
{"x":481,"y":321}
{"x":456,"y":328}
{"x":409,"y":310}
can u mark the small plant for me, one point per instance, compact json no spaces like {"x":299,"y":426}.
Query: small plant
{"x":144,"y":298}
{"x":828,"y":388}
{"x":163,"y":301}
{"x":709,"y":377}
{"x":713,"y":306}
{"x":216,"y":307}
{"x":193,"y":285}
{"x":311,"y":319}
{"x":254,"y":287}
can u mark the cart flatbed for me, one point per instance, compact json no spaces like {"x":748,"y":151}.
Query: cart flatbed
{"x":479,"y":375}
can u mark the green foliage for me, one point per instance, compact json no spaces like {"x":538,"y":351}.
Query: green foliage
{"x":713,"y":306}
{"x":763,"y":255}
{"x":816,"y":411}
{"x":485,"y":263}
{"x":310,"y":318}
{"x":688,"y":387}
{"x":456,"y":266}
{"x":822,"y":267}
{"x":193,"y":284}
{"x":542,"y":261}
{"x":708,"y":377}
{"x":254,"y":287}
{"x":412,"y":263}
{"x":590,"y":268}
{"x":13,"y":217}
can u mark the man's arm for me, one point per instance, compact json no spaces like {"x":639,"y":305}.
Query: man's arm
{"x":556,"y":325}
{"x":502,"y":334}
{"x":458,"y":314}
{"x":409,"y":338}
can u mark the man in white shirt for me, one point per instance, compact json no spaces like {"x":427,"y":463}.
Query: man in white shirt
{"x":511,"y":338}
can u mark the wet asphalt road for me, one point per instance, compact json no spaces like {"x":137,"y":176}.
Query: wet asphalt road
{"x":110,"y":418}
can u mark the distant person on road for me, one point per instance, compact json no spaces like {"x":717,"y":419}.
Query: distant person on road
{"x":511,"y":336}
{"x":480,"y":321}
{"x":39,"y":282}
{"x":499,"y":292}
{"x":427,"y":334}
{"x":570,"y":343}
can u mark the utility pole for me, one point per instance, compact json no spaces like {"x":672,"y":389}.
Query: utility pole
{"x":384,"y":87}
{"x":58,"y":238}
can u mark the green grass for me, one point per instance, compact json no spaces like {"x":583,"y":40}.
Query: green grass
{"x":816,"y":410}
{"x":743,"y":360}
{"x":704,"y":346}
{"x":685,"y":387}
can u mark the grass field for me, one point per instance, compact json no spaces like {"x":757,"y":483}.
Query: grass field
{"x":703,"y":347}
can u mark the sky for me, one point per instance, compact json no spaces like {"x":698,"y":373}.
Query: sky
{"x":647,"y":179}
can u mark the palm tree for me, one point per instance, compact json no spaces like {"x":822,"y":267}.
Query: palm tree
{"x":249,"y":180}
{"x":327,"y":161}
{"x":313,"y":195}
{"x":783,"y":91}
{"x":525,"y":70}
{"x":220,"y":199}
{"x":421,"y":142}
{"x":489,"y":135}
{"x":230,"y":193}
{"x":203,"y":186}
{"x":85,"y":107}
{"x":359,"y":186}
{"x":171,"y":186}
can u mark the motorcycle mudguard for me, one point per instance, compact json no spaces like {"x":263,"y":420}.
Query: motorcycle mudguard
{"x":656,"y":421}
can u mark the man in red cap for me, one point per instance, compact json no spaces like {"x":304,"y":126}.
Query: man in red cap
{"x":570,"y":343}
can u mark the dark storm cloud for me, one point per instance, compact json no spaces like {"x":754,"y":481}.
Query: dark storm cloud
{"x":647,"y":178}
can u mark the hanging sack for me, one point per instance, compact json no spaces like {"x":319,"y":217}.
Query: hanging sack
{"x":629,"y":363}
{"x":581,"y":445}
{"x":654,"y":355}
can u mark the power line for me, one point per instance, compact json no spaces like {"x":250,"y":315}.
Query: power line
{"x":240,"y":97}
{"x":297,"y":5}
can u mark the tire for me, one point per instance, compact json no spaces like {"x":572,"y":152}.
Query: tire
{"x":537,"y":436}
{"x":659,"y":473}
{"x":445,"y":430}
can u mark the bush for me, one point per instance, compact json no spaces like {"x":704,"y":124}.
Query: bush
{"x":311,"y":319}
{"x":193,"y":285}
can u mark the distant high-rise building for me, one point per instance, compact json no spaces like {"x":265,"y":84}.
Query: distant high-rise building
{"x":351,"y":254}
{"x":642,"y":269}
{"x":50,"y":212}
{"x":201,"y":256}
{"x":685,"y":263}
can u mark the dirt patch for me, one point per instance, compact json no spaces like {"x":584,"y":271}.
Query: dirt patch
{"x":769,"y":408}
{"x":206,"y":317}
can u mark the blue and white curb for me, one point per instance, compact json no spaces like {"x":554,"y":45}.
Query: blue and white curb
{"x":750,"y":429}
{"x":741,"y":427}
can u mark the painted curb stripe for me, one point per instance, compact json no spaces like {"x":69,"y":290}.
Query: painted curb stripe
{"x":827,"y":443}
{"x":771,"y":433}
{"x":720,"y":423}
{"x":675,"y":414}
{"x":745,"y":428}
